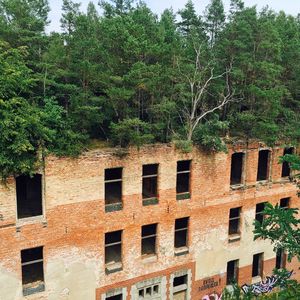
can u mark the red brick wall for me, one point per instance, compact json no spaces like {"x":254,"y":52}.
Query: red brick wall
{"x":75,"y":214}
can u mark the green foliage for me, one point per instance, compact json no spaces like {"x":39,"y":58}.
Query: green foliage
{"x":116,"y":7}
{"x":131,"y":132}
{"x":215,"y":19}
{"x":21,"y":134}
{"x":208,"y":135}
{"x":291,"y":290}
{"x":235,"y":293}
{"x":15,"y":76}
{"x":26,"y":130}
{"x":184,"y":146}
{"x":293,"y":160}
{"x":63,"y":141}
{"x":127,"y":76}
{"x":191,"y":23}
{"x":281,"y":227}
{"x":285,"y":288}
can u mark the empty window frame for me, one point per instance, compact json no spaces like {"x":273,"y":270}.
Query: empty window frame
{"x":116,"y":297}
{"x":285,"y":203}
{"x":29,"y":196}
{"x":237,"y":161}
{"x":232,"y":271}
{"x":234,"y":220}
{"x":113,"y":189}
{"x":32,"y":271}
{"x":280,"y":259}
{"x":257,"y":265}
{"x":180,"y":286}
{"x":149,"y":292}
{"x":259,"y":216}
{"x":263,"y":165}
{"x":113,"y":250}
{"x":285,"y":171}
{"x":183,"y":179}
{"x":149,"y":239}
{"x":181,"y":232}
{"x":150,"y":183}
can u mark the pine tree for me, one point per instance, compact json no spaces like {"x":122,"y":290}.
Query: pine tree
{"x":215,"y":19}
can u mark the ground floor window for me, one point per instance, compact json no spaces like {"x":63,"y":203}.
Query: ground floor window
{"x":116,"y":297}
{"x":32,"y":271}
{"x":232,"y":271}
{"x":257,"y":265}
{"x":152,"y":288}
{"x":115,"y":294}
{"x":150,"y":292}
{"x":180,"y":285}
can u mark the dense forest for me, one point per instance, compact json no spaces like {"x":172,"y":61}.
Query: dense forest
{"x":130,"y":77}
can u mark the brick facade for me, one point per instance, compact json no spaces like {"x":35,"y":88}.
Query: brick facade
{"x":73,"y":225}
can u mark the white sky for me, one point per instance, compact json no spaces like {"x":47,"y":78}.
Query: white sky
{"x":289,"y":6}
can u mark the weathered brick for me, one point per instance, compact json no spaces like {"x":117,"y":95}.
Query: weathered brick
{"x":73,"y":227}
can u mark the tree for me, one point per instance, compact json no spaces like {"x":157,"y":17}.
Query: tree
{"x":236,"y":6}
{"x":166,"y":79}
{"x":132,"y":132}
{"x":264,"y":110}
{"x":189,"y":18}
{"x":70,"y":12}
{"x":191,"y":22}
{"x":23,"y":24}
{"x":197,"y":77}
{"x":27,"y":131}
{"x":116,"y":7}
{"x":281,"y":227}
{"x":15,"y":76}
{"x":215,"y":19}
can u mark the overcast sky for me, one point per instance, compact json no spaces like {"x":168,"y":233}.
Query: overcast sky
{"x":289,"y":6}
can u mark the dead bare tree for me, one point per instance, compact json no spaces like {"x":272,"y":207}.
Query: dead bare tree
{"x":199,"y":77}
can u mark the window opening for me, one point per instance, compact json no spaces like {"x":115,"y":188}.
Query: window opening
{"x":180,"y":280}
{"x":232,"y":271}
{"x":149,"y":292}
{"x":183,"y":179}
{"x":257,"y":265}
{"x":180,"y":287}
{"x":113,"y":189}
{"x":263,"y":165}
{"x":181,"y":232}
{"x":280,"y":259}
{"x":113,"y":250}
{"x":29,"y":196}
{"x":32,"y":271}
{"x":116,"y":297}
{"x":150,"y":183}
{"x":149,"y":239}
{"x":234,"y":220}
{"x":285,"y":203}
{"x":237,"y":160}
{"x":286,"y":170}
{"x":259,"y":216}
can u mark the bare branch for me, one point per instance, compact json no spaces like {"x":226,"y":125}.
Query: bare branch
{"x":199,"y":83}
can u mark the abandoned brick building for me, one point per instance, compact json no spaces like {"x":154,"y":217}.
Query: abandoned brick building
{"x":154,"y":224}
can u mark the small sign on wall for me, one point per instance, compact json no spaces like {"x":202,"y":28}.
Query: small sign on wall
{"x":209,"y":283}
